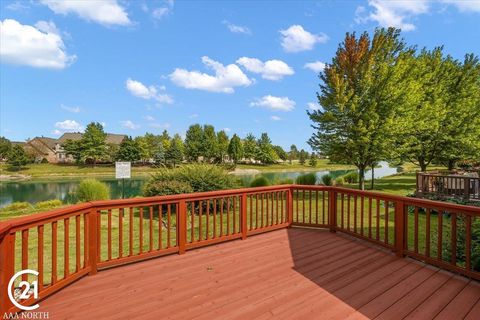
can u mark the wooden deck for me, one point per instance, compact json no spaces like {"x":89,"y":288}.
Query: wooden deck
{"x":286,"y":274}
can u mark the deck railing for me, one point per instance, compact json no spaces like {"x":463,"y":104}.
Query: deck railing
{"x":462,"y":187}
{"x":66,"y":244}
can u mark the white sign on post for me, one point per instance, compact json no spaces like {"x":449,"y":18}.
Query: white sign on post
{"x":122,"y":170}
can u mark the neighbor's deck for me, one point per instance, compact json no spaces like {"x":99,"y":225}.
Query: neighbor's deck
{"x":286,"y":274}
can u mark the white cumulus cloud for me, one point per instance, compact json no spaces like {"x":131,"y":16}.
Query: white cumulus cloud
{"x":225,"y":78}
{"x":39,"y":46}
{"x":274,"y":103}
{"x":270,"y":70}
{"x":140,"y":90}
{"x":296,"y":39}
{"x":128,"y":124}
{"x":105,"y":12}
{"x":465,"y":5}
{"x":396,"y":13}
{"x":69,"y":125}
{"x":316,"y":66}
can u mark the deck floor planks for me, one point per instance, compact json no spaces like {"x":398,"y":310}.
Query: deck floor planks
{"x":285,"y":274}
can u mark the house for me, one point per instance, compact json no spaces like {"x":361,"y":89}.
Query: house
{"x":51,"y":149}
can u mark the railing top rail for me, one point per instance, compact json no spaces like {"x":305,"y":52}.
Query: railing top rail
{"x":36,"y":218}
{"x":21,"y":221}
{"x":446,"y":175}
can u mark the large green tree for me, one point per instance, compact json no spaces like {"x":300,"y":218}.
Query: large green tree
{"x":265,"y":151}
{"x":222,"y":144}
{"x":93,"y":142}
{"x":129,"y":150}
{"x":74,"y":148}
{"x":5,"y":147}
{"x":441,"y":121}
{"x":359,"y":91}
{"x":209,"y":143}
{"x":293,"y":153}
{"x":175,"y":152}
{"x":249,"y":147}
{"x":17,"y":157}
{"x":235,"y":149}
{"x":194,"y":142}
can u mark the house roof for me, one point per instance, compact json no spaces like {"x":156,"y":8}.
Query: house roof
{"x":111,"y":137}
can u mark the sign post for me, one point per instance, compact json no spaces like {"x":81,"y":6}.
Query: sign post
{"x":123,"y":171}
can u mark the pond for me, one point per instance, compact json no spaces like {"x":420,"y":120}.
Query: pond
{"x":41,"y":190}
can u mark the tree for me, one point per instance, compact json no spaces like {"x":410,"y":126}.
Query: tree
{"x":74,"y":148}
{"x":235,"y":149}
{"x":313,"y":160}
{"x":265,"y":152}
{"x":302,"y":156}
{"x":193,"y":142}
{"x":441,"y":124}
{"x":165,"y":138}
{"x":5,"y":147}
{"x":175,"y":152}
{"x":209,"y":143}
{"x":359,"y":93}
{"x":143,"y":149}
{"x":293,"y":154}
{"x":93,"y":142}
{"x":280,"y":153}
{"x":250,"y":146}
{"x":17,"y":157}
{"x":129,"y":150}
{"x":222,"y":145}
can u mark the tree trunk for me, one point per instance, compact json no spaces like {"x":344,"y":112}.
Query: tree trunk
{"x":423,"y":165}
{"x":361,"y":178}
{"x":373,"y":177}
{"x":451,"y":164}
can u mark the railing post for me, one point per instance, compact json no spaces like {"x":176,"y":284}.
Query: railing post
{"x":92,"y":241}
{"x":466,"y":188}
{"x":332,"y":210}
{"x":400,"y":228}
{"x":290,"y":206}
{"x":182,"y":226}
{"x":243,"y":215}
{"x":7,"y":246}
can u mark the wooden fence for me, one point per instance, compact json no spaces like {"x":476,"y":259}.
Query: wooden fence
{"x":462,"y":187}
{"x":66,"y":244}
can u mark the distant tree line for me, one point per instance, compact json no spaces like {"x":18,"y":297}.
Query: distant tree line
{"x":380,"y":99}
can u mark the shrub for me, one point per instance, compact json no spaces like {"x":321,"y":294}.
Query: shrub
{"x":16,"y":207}
{"x":91,"y":190}
{"x":339,"y":181}
{"x":163,"y":188}
{"x":306,"y":179}
{"x":351,"y":177}
{"x":200,"y":178}
{"x":259,"y":182}
{"x":49,"y":204}
{"x":327,"y":180}
{"x":285,"y":181}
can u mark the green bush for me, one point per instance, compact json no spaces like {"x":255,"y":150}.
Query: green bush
{"x":327,"y":180}
{"x":164,"y":188}
{"x":16,"y":207}
{"x":260,"y":182}
{"x":200,"y":178}
{"x":91,"y":190}
{"x":339,"y":181}
{"x":306,"y":179}
{"x":285,"y":181}
{"x":49,"y":204}
{"x":351,"y":177}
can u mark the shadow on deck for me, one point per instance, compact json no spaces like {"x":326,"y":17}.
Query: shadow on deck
{"x":286,"y":274}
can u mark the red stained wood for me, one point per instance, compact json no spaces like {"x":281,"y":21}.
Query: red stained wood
{"x":286,"y":274}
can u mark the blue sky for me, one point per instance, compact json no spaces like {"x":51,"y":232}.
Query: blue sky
{"x":146,"y":66}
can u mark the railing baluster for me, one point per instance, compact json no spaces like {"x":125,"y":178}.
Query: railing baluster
{"x":369,"y":217}
{"x":386,"y":221}
{"x":169,"y":224}
{"x":151,"y":229}
{"x":207,"y":222}
{"x":109,"y":234}
{"x":453,"y":218}
{"x":130,"y":230}
{"x":415,"y":230}
{"x":160,"y":227}
{"x":120,"y":232}
{"x":54,"y":252}
{"x":234,"y":218}
{"x":361,"y":214}
{"x":215,"y":218}
{"x":243,"y":215}
{"x":378,"y":220}
{"x":200,"y":212}
{"x":141,"y":229}
{"x":440,"y":234}
{"x":427,"y":233}
{"x":40,"y":256}
{"x":66,"y":247}
{"x":468,"y":243}
{"x":25,"y":253}
{"x":355,"y":214}
{"x":228,"y":216}
{"x":77,"y":243}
